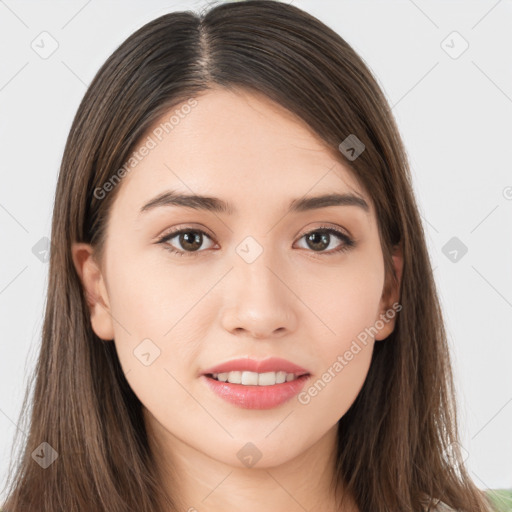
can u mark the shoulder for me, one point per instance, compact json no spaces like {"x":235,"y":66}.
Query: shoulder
{"x":441,"y":506}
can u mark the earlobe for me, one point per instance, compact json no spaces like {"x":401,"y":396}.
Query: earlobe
{"x":93,"y":284}
{"x":390,"y":298}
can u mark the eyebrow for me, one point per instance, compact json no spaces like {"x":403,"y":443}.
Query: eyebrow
{"x":216,"y":205}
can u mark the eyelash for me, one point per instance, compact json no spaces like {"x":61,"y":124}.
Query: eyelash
{"x":346,"y":246}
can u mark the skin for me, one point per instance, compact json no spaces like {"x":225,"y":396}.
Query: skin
{"x":293,"y":301}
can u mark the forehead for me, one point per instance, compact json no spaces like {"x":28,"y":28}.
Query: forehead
{"x":237,"y":145}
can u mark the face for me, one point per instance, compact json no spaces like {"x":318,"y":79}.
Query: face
{"x":257,"y":280}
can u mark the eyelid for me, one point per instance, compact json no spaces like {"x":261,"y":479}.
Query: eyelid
{"x":189,"y":227}
{"x":326,"y":225}
{"x":305,"y":231}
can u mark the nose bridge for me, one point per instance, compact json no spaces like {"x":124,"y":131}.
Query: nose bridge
{"x":260,"y":302}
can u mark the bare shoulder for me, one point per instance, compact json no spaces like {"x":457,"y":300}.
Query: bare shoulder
{"x":441,"y":506}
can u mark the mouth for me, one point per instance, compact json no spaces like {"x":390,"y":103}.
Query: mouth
{"x":251,"y":383}
{"x":250,"y":390}
{"x":247,"y":378}
{"x":248,"y":370}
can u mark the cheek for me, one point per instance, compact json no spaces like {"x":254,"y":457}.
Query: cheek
{"x":331,"y":393}
{"x":151,"y":294}
{"x":155,"y":338}
{"x":345,"y":297}
{"x":159,"y":323}
{"x":347,"y":303}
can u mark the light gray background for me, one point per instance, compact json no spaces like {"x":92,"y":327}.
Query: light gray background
{"x":455,"y":118}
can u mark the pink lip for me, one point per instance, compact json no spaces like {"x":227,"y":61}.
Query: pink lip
{"x":273,"y":364}
{"x":256,"y":397}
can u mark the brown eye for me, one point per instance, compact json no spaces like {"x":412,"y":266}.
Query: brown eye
{"x":189,"y":241}
{"x":320,"y":239}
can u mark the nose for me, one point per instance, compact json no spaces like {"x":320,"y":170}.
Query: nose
{"x":259,"y":301}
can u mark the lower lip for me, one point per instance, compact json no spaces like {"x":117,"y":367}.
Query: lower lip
{"x":256,"y":397}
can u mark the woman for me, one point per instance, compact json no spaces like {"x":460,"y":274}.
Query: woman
{"x":241,"y":312}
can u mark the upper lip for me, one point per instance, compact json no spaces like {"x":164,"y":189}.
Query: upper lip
{"x":272,"y":364}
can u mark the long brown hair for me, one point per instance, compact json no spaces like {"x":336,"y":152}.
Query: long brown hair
{"x":398,"y":446}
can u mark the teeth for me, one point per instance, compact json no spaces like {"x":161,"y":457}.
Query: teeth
{"x":255,"y":379}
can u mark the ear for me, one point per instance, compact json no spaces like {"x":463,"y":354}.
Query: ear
{"x":389,"y":304}
{"x":95,"y":290}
